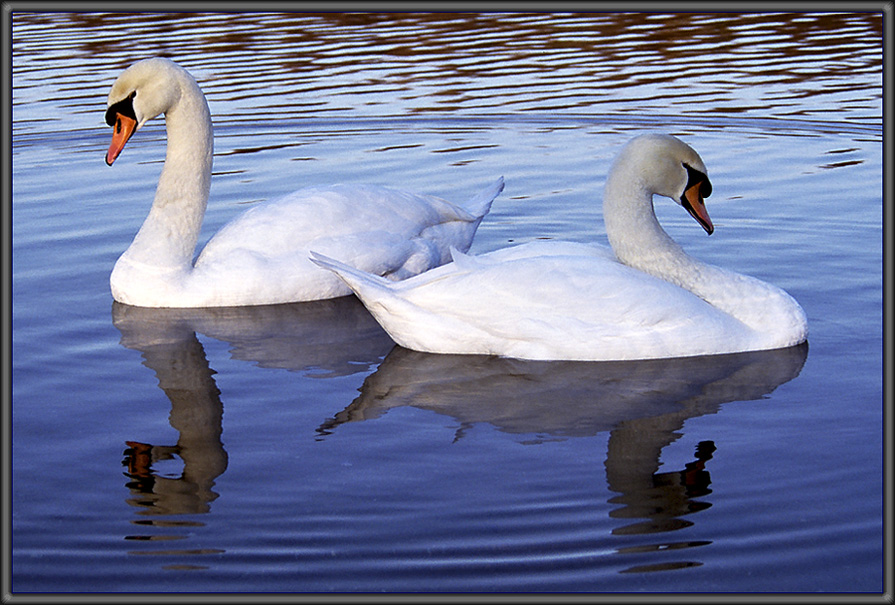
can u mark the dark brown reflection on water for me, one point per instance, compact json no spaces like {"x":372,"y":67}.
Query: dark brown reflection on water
{"x":397,"y":63}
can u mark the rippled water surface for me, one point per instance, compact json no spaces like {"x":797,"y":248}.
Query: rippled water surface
{"x":294,"y":448}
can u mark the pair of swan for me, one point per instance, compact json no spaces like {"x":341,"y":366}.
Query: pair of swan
{"x":404,"y":255}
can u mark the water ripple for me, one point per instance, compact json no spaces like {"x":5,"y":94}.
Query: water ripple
{"x":766,"y":65}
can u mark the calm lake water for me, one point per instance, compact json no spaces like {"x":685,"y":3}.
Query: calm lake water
{"x":294,"y":448}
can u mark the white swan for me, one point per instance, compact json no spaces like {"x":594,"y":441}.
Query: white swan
{"x":562,"y":300}
{"x":262,"y":256}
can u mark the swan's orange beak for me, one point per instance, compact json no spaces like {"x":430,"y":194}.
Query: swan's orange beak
{"x":123,"y":129}
{"x":693,"y":202}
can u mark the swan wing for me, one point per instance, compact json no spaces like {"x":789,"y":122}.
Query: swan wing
{"x":541,"y":306}
{"x":261,"y":257}
{"x":264,"y":251}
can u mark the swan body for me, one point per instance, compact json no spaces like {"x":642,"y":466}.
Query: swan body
{"x":262,"y":256}
{"x":643,"y":299}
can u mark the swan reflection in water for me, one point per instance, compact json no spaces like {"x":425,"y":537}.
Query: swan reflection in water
{"x":327,"y":338}
{"x":642,"y":405}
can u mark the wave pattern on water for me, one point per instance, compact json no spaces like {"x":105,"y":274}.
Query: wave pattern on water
{"x":265,"y":65}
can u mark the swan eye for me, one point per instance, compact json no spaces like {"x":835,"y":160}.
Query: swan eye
{"x":124,"y":107}
{"x":698,"y":177}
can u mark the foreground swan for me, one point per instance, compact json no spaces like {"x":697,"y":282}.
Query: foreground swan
{"x":261,"y":257}
{"x":561,"y":300}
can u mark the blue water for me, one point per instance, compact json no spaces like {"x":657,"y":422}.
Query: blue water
{"x":295,"y":449}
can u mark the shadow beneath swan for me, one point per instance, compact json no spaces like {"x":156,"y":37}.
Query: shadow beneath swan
{"x":643,"y":405}
{"x":329,"y":338}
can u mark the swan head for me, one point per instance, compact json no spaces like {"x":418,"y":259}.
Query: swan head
{"x":668,"y":166}
{"x":143,"y":91}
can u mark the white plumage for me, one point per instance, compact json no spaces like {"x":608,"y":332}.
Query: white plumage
{"x":262,"y":256}
{"x":645,"y":298}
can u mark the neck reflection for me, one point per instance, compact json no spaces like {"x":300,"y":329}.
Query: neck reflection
{"x":329,"y":338}
{"x":642,"y":405}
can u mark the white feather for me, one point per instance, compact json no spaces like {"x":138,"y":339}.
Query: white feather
{"x":261,"y":257}
{"x":561,"y":300}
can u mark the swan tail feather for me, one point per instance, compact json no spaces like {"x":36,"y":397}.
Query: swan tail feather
{"x":359,"y":281}
{"x":480,"y":204}
{"x":464,"y":262}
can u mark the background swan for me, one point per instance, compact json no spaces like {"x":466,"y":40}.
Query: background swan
{"x":562,"y":300}
{"x":262,"y":256}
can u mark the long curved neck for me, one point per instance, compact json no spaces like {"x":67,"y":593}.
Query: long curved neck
{"x":169,"y":234}
{"x":640,"y":242}
{"x":634,"y":231}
